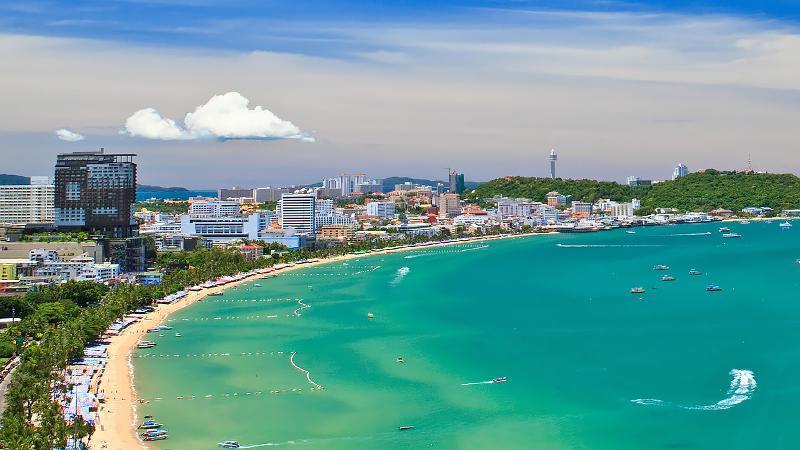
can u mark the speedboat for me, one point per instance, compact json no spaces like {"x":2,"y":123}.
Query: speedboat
{"x":637,"y":290}
{"x":724,"y":230}
{"x":155,"y":432}
{"x":229,"y":444}
{"x":177,"y":335}
{"x":731,"y":235}
{"x":159,"y":437}
{"x":256,"y":285}
{"x":713,"y":288}
{"x":785,"y":225}
{"x":630,"y":232}
{"x":695,"y":272}
{"x":661,"y":267}
{"x":500,"y":380}
{"x":406,"y":427}
{"x":667,"y":278}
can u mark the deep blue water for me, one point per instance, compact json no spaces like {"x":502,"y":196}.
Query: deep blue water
{"x":172,"y":195}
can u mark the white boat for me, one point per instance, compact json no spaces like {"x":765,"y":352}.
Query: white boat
{"x":229,"y":444}
{"x":785,"y":225}
{"x":724,"y":230}
{"x":731,"y":235}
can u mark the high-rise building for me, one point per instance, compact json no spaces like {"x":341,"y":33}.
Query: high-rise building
{"x":265,"y":194}
{"x":681,"y":171}
{"x":27,"y":203}
{"x":234,"y":192}
{"x":381,"y":210}
{"x":449,"y":205}
{"x":456,"y":182}
{"x":553,"y":158}
{"x":297,"y":211}
{"x":95,"y":192}
{"x":348,"y":182}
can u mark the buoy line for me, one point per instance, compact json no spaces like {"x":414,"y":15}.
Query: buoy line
{"x":308,"y":374}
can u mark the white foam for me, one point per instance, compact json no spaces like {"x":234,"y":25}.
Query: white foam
{"x":398,"y":277}
{"x":743,"y":384}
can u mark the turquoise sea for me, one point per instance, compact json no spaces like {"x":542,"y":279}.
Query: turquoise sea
{"x":589,"y":365}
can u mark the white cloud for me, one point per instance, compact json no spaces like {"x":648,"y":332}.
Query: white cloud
{"x":69,"y":135}
{"x":224,"y":117}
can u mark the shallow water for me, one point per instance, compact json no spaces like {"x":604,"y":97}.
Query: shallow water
{"x":589,"y":365}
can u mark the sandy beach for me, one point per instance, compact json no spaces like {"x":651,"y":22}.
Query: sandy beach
{"x":116,"y":424}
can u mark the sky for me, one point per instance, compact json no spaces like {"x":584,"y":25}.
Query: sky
{"x":271,"y":92}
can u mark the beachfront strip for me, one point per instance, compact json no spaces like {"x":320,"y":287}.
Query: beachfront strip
{"x":84,"y":376}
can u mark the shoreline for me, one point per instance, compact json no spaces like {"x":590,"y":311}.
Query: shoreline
{"x":117,"y":416}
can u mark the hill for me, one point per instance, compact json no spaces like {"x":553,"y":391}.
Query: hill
{"x":731,"y":190}
{"x":536,"y":189}
{"x":6,"y":179}
{"x":151,"y":188}
{"x":701,"y":191}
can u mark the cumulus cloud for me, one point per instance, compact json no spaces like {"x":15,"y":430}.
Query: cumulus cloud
{"x":224,"y":117}
{"x":69,"y":135}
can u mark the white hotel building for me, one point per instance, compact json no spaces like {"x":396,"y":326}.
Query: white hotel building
{"x":297,"y":211}
{"x":29,"y":203}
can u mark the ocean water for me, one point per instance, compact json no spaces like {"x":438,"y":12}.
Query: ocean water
{"x":589,"y":365}
{"x":172,"y":195}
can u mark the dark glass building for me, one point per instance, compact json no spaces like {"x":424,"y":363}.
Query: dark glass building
{"x":95,"y":192}
{"x":456,"y":183}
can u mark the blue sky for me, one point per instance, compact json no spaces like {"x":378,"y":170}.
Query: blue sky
{"x":400,"y":88}
{"x":313,"y":26}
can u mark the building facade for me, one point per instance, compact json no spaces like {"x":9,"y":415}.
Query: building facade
{"x":680,"y":171}
{"x":449,"y":205}
{"x":381,"y":210}
{"x":214,"y":208}
{"x":28,"y":204}
{"x":95,"y":192}
{"x":298,"y":211}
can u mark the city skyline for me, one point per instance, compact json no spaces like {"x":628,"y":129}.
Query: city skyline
{"x":617,"y":88}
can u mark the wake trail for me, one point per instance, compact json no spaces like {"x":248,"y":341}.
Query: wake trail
{"x":743,"y":385}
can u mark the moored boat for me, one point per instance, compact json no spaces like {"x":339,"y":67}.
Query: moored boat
{"x":667,"y":278}
{"x":785,"y":225}
{"x":713,"y":288}
{"x":149,"y":425}
{"x":661,"y":267}
{"x":724,"y":230}
{"x":695,"y":272}
{"x":637,"y":290}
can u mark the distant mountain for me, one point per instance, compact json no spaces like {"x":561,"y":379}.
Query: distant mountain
{"x":13,"y":179}
{"x":151,"y":188}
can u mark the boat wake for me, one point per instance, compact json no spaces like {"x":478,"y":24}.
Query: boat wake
{"x":276,"y":444}
{"x":743,"y":384}
{"x":401,"y":273}
{"x":415,"y":256}
{"x":478,"y":382}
